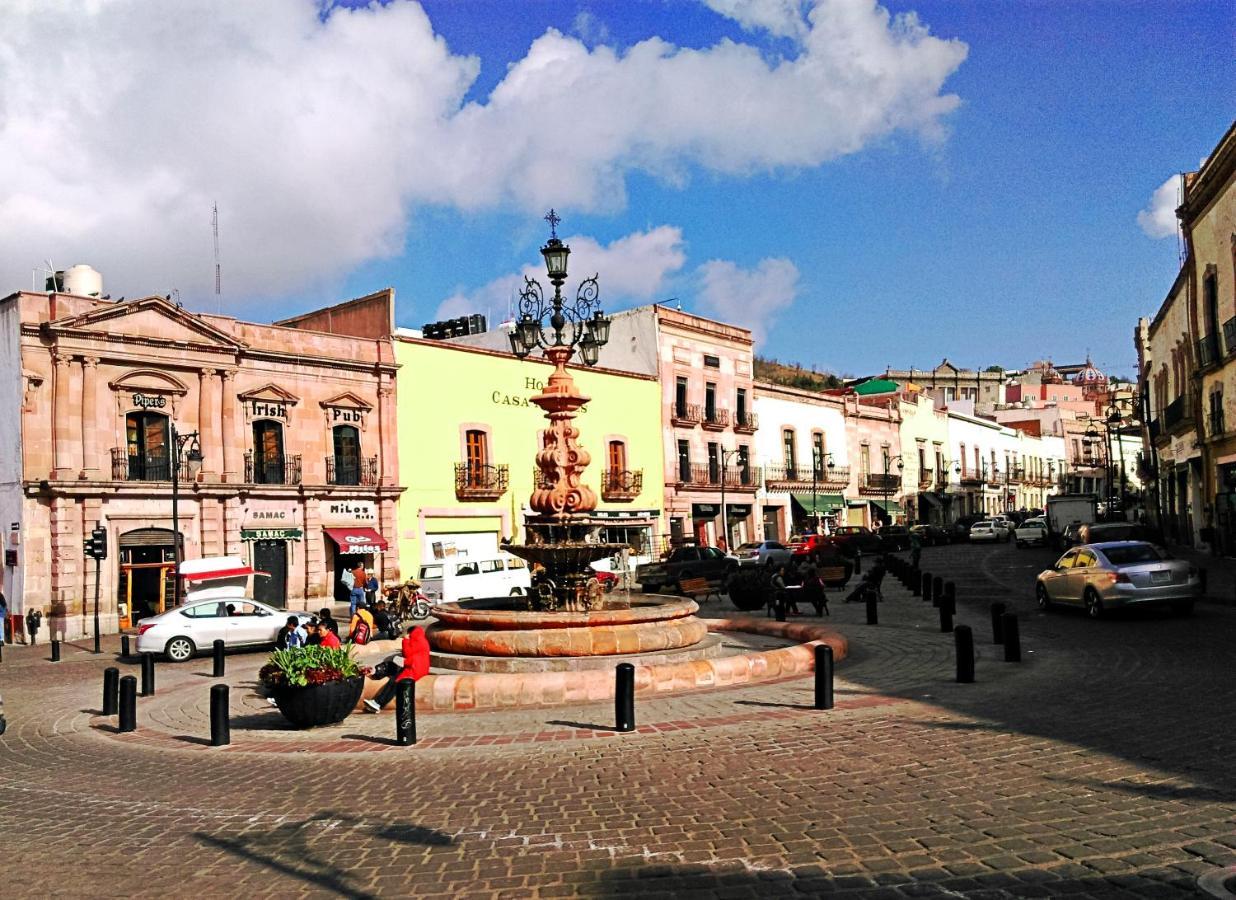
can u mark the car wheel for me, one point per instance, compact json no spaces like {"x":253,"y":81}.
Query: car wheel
{"x":1094,"y":606}
{"x":517,"y":592}
{"x":647,"y":588}
{"x":1040,"y":594}
{"x":179,"y":649}
{"x":1182,"y":607}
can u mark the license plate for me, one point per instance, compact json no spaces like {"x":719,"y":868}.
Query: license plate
{"x":1160,"y":577}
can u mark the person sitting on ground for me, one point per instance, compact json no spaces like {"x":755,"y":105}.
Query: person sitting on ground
{"x":382,"y":621}
{"x":291,"y":635}
{"x":360,"y":629}
{"x":328,"y":638}
{"x":327,"y":619}
{"x":414,"y":665}
{"x":813,"y":587}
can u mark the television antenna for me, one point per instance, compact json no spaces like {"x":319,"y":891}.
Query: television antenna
{"x":218,"y":279}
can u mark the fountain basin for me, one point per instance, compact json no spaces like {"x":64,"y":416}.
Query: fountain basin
{"x":498,"y":628}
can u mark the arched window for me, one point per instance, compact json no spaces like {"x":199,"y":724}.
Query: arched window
{"x":347,"y":455}
{"x":148,"y":439}
{"x":267,"y":452}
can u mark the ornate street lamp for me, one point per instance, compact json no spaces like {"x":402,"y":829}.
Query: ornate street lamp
{"x":888,"y":460}
{"x":193,"y":459}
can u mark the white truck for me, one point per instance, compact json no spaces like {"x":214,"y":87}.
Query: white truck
{"x":1069,"y":509}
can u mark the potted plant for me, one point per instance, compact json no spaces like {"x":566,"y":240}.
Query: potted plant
{"x":314,"y":685}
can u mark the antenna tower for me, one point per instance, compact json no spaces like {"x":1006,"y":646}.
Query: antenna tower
{"x":215,"y":226}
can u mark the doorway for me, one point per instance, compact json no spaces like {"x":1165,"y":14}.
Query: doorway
{"x":271,"y":557}
{"x":146,"y":584}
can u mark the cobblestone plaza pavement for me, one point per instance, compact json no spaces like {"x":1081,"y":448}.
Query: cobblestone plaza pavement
{"x":1100,"y":766}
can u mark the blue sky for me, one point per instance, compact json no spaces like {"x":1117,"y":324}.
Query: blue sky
{"x":971,"y":193}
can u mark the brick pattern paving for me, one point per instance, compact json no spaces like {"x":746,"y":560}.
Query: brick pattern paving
{"x":1099,"y":767}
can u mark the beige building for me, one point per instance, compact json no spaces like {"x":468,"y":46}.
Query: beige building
{"x":287,"y":450}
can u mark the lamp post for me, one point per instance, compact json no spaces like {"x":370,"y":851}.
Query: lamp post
{"x":817,"y":469}
{"x":726,"y":455}
{"x":194,"y":459}
{"x":888,"y":484}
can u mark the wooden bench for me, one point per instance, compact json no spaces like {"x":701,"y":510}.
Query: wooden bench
{"x":832,"y":575}
{"x":698,"y":587}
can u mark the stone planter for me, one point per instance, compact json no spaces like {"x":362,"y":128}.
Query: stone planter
{"x":319,"y":704}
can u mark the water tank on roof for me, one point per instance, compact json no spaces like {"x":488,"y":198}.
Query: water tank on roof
{"x":81,"y":280}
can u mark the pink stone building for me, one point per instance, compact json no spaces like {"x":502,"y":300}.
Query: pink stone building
{"x":295,"y":427}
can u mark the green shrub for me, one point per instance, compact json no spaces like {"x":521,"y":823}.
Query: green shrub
{"x":313,"y":664}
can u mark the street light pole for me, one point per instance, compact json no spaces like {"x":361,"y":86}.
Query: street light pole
{"x":888,"y":484}
{"x":725,"y":513}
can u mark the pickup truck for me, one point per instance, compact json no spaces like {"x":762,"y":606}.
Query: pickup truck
{"x":685,"y":562}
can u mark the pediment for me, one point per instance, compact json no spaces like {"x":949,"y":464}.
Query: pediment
{"x":271,"y":393}
{"x":150,"y":318}
{"x":149,"y":381}
{"x":347,"y":400}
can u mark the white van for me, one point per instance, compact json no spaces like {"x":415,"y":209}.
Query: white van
{"x":471,"y":578}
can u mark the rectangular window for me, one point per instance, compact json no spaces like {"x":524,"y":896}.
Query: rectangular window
{"x":817,"y":455}
{"x":714,"y":463}
{"x":712,"y":362}
{"x":684,"y":461}
{"x":740,"y":406}
{"x":787,"y":443}
{"x":710,"y":402}
{"x":477,"y":449}
{"x":744,"y":464}
{"x":864,"y":459}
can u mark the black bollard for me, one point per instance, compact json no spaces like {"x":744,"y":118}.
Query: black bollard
{"x":128,"y":703}
{"x":873,"y":612}
{"x":858,"y":561}
{"x":1,"y":651}
{"x":1012,"y":639}
{"x":148,"y":675}
{"x":219,"y":663}
{"x":55,"y":657}
{"x":963,"y":639}
{"x":997,"y":624}
{"x":624,"y":698}
{"x":220,"y":727}
{"x":946,"y":614}
{"x":937,"y":590}
{"x":111,"y":690}
{"x":916,"y":582}
{"x":927,"y":583}
{"x":124,"y":646}
{"x":405,"y":713}
{"x":823,"y":676}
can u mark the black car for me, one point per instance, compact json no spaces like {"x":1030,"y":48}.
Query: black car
{"x":895,"y":537}
{"x":685,"y":562}
{"x":932,"y":535}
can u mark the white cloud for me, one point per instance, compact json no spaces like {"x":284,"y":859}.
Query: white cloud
{"x":590,"y":27}
{"x":780,"y":17}
{"x":122,"y":122}
{"x":748,"y":297}
{"x":631,"y":268}
{"x":1158,"y":219}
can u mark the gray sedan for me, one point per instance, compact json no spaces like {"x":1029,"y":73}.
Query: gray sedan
{"x":1102,"y":577}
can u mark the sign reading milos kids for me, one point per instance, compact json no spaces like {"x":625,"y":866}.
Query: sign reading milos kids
{"x":350,"y":524}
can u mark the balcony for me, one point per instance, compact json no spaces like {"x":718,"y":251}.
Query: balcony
{"x":716,"y":419}
{"x":746,"y":423}
{"x":1207,"y":351}
{"x":355,"y":470}
{"x":280,"y":470}
{"x":481,"y":482}
{"x":796,"y":477}
{"x":1174,"y":414}
{"x":1015,"y":476}
{"x":128,"y":466}
{"x":737,"y":478}
{"x":1215,"y":425}
{"x":687,"y":415}
{"x":925,"y":478}
{"x":1152,"y":427}
{"x":880,"y":483}
{"x":621,"y":485}
{"x":1229,"y":335}
{"x":970,"y":478}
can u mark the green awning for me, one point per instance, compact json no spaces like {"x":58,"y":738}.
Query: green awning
{"x":824,"y":503}
{"x":892,"y":507}
{"x":875,"y":386}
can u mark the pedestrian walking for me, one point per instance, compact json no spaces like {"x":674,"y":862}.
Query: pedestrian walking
{"x":356,"y":596}
{"x":371,"y":588}
{"x":34,"y":619}
{"x":916,"y":548}
{"x":4,"y":617}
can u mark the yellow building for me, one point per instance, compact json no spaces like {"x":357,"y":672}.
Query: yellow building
{"x":468,"y":436}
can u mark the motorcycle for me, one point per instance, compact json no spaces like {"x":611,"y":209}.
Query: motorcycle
{"x":407,"y":602}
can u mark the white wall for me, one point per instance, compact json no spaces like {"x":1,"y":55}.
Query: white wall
{"x":777,"y":413}
{"x":11,"y":390}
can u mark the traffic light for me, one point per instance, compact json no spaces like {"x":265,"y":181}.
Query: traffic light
{"x":96,"y":544}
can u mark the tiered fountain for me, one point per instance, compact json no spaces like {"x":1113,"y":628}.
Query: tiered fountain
{"x":566,"y":614}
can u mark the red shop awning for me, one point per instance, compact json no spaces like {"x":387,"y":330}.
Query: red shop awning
{"x":220,"y":573}
{"x":357,"y":540}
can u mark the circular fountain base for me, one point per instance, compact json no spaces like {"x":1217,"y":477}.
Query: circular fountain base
{"x":710,"y":647}
{"x":499,"y":628}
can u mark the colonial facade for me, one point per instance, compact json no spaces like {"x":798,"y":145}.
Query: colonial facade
{"x":468,"y":438}
{"x":873,"y":436}
{"x":285,"y":454}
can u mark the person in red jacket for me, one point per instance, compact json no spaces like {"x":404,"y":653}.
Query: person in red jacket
{"x":415,"y":666}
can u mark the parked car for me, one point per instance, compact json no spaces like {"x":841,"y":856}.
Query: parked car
{"x":1003,"y":521}
{"x":1102,"y":532}
{"x":762,"y":553}
{"x":685,"y":562}
{"x":825,"y":553}
{"x":806,"y":544}
{"x":1031,"y":531}
{"x":237,"y":621}
{"x":1101,"y":577}
{"x":932,"y":535}
{"x":986,"y":530}
{"x":1071,"y":536}
{"x":961,"y":528}
{"x":472,"y":578}
{"x":849,"y":539}
{"x":895,"y":537}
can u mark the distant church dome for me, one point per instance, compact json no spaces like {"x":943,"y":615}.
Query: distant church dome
{"x":1089,"y":376}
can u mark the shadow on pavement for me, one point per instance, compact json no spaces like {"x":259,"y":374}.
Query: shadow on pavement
{"x":584,"y":725}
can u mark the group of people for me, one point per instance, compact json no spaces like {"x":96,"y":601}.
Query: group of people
{"x":802,"y":580}
{"x":362,"y":586}
{"x":322,"y":630}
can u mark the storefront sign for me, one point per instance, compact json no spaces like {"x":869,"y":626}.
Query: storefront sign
{"x":148,"y":401}
{"x":267,"y":409}
{"x":347,"y":512}
{"x":270,"y":534}
{"x":703,"y":511}
{"x":738,"y":512}
{"x":10,"y":558}
{"x":270,"y":514}
{"x":503,"y":398}
{"x":346,"y":415}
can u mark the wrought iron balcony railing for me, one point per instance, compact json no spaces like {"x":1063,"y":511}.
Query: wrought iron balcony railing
{"x":737,"y":478}
{"x":746,"y":422}
{"x":690,"y":414}
{"x":971,"y":478}
{"x":801,"y":476}
{"x":353,"y":470}
{"x":880,"y":483}
{"x":481,"y":482}
{"x":716,"y":419}
{"x":621,"y":485}
{"x":1174,"y":414}
{"x":926,"y":477}
{"x":132,"y":466}
{"x":280,"y":470}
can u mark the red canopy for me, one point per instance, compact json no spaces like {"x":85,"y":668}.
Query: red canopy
{"x":357,"y":540}
{"x":220,"y":573}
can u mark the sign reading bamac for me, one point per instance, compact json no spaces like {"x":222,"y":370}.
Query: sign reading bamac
{"x":270,"y":534}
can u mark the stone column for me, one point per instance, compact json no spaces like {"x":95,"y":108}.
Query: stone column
{"x":232,"y":443}
{"x":388,"y":439}
{"x":208,"y":427}
{"x":90,"y":418}
{"x":62,"y":419}
{"x":388,"y":522}
{"x":318,"y":582}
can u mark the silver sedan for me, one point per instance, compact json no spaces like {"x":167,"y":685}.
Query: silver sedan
{"x":1102,"y":577}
